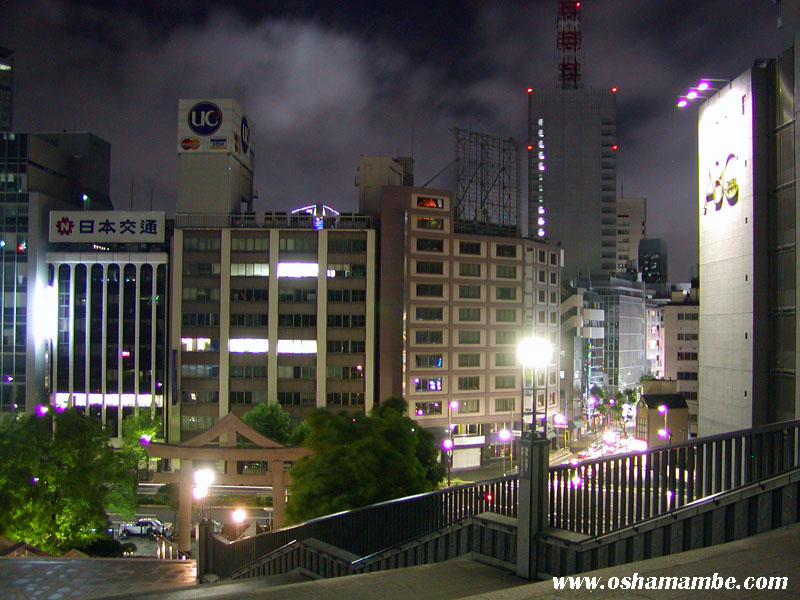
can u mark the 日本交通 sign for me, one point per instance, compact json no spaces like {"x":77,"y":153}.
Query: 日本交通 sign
{"x":106,"y":226}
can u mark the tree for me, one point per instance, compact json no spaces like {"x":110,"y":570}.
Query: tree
{"x":58,"y":477}
{"x":135,"y":428}
{"x":269,"y":420}
{"x":359,"y":460}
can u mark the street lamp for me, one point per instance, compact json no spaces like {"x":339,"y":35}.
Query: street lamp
{"x":696,"y":91}
{"x":505,"y":436}
{"x":536,"y":353}
{"x":447,"y":446}
{"x":239,"y":516}
{"x":665,"y":434}
{"x":203,"y":478}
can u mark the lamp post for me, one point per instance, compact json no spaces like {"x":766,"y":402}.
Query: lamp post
{"x":203,"y":478}
{"x":664,"y":433}
{"x":238,"y":517}
{"x":447,"y":446}
{"x":505,"y":436}
{"x":536,"y":353}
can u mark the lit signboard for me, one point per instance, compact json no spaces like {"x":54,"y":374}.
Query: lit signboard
{"x":215,"y":127}
{"x":108,"y":226}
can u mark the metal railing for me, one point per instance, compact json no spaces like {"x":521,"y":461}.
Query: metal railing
{"x":367,"y":530}
{"x":605,"y":494}
{"x":274,"y":220}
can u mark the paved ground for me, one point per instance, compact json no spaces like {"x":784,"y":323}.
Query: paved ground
{"x":61,"y":578}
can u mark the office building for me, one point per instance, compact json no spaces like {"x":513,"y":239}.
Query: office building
{"x":681,"y":346}
{"x":6,"y":88}
{"x":631,"y":230}
{"x":38,"y":173}
{"x":653,"y":262}
{"x":748,"y":218}
{"x":572,"y":176}
{"x":654,"y":341}
{"x":453,"y":309}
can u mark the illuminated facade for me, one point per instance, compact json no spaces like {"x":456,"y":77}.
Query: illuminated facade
{"x":748,"y":219}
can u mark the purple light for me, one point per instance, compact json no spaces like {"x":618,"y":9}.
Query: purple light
{"x":683,"y":103}
{"x":663,"y":433}
{"x":692,"y":94}
{"x":591,"y":401}
{"x":703,"y":85}
{"x":612,"y":402}
{"x":504,"y":435}
{"x":453,"y":404}
{"x":447,"y":444}
{"x":34,"y":480}
{"x":145,"y":439}
{"x":41,"y":410}
{"x":662,"y":410}
{"x":60,"y":408}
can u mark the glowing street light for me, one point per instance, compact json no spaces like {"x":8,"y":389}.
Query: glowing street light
{"x":447,"y":446}
{"x":505,"y":437}
{"x":536,"y":353}
{"x":204,"y":477}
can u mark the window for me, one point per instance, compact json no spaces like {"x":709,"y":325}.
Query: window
{"x":469,"y":406}
{"x":347,"y":295}
{"x":506,"y":315}
{"x":542,"y":296}
{"x":505,"y":359}
{"x":248,"y":320}
{"x":199,"y":345}
{"x":506,"y":293}
{"x":427,"y":267}
{"x":250,"y":269}
{"x":430,"y":290}
{"x":337,"y":244}
{"x":247,"y":397}
{"x":249,"y":295}
{"x":201,"y":244}
{"x":469,"y":269}
{"x":346,"y":346}
{"x":425,"y":336}
{"x":506,"y":272}
{"x":297,"y":398}
{"x":200,"y":397}
{"x":688,"y":316}
{"x":297,"y":372}
{"x":200,"y":269}
{"x":430,"y":245}
{"x":345,"y":398}
{"x":553,"y":317}
{"x":346,"y":270}
{"x":542,"y":275}
{"x":250,"y":244}
{"x":428,"y":361}
{"x":687,"y":376}
{"x":249,"y":371}
{"x":553,"y":278}
{"x":293,"y":295}
{"x":469,"y":314}
{"x":197,"y":423}
{"x":687,"y":336}
{"x":428,"y":384}
{"x":471,"y":248}
{"x":542,"y":256}
{"x":202,"y":319}
{"x":469,"y":292}
{"x":687,"y":355}
{"x":504,"y":382}
{"x":428,"y":408}
{"x":541,"y":317}
{"x":430,"y":223}
{"x":291,"y":320}
{"x":504,"y":405}
{"x":469,"y":383}
{"x":298,"y":244}
{"x":553,"y":259}
{"x":506,"y":251}
{"x":427,"y":202}
{"x":429,"y":313}
{"x":347,"y":321}
{"x":469,"y":336}
{"x":506,"y":337}
{"x":473,"y":359}
{"x":344,"y":372}
{"x":554,"y":298}
{"x":192,"y":294}
{"x":200,"y":370}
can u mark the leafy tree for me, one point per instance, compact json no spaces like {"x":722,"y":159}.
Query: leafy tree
{"x":134,"y":428}
{"x":269,"y":420}
{"x":358,"y":460}
{"x":58,"y":477}
{"x":299,"y":434}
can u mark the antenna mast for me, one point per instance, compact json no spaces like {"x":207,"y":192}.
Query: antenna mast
{"x":568,"y":41}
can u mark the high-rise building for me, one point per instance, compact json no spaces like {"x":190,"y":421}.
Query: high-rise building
{"x":653,"y":260}
{"x":6,"y":88}
{"x":748,"y":219}
{"x":631,"y":230}
{"x":38,"y":173}
{"x":681,"y":343}
{"x":572,"y":176}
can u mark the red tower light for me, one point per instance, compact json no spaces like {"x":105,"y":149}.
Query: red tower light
{"x":488,"y":497}
{"x":529,"y":147}
{"x":614,"y":147}
{"x":529,"y":90}
{"x":614,"y":90}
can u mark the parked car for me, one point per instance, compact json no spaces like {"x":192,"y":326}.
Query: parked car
{"x":148,"y":527}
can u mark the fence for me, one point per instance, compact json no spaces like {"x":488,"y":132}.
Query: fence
{"x":605,"y":494}
{"x":365,"y":531}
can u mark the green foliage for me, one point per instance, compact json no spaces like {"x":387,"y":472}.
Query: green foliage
{"x":133,"y":428}
{"x":269,"y":420}
{"x":167,"y":495}
{"x":58,"y":480}
{"x":299,"y":434}
{"x":360,"y":460}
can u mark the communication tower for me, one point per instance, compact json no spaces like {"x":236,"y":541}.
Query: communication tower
{"x":568,"y":41}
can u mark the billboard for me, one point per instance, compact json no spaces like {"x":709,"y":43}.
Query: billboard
{"x":215,"y":126}
{"x":106,"y":226}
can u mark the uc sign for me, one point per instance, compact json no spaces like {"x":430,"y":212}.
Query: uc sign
{"x":205,"y":118}
{"x":245,"y":135}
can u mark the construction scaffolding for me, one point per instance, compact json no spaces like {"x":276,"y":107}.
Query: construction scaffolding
{"x":486,"y":184}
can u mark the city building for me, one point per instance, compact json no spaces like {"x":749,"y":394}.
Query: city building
{"x":453,"y":310}
{"x":39,"y":172}
{"x":748,"y":218}
{"x":572,"y":176}
{"x":6,"y":88}
{"x":661,"y":419}
{"x":582,"y":335}
{"x":681,"y":348}
{"x":653,"y":260}
{"x":110,"y":274}
{"x":654,"y":342}
{"x":631,"y":230}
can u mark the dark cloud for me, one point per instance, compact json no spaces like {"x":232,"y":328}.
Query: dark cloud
{"x":324,"y":83}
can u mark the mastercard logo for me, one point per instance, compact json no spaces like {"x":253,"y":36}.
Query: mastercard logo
{"x":190,"y":143}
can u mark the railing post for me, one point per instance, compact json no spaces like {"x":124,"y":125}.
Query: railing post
{"x":534,"y":456}
{"x":204,"y":531}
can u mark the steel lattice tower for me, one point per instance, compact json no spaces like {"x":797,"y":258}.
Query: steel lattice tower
{"x":568,"y":41}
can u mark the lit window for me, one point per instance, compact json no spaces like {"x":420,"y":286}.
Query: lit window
{"x":297,"y":346}
{"x":298,"y":269}
{"x":251,"y":345}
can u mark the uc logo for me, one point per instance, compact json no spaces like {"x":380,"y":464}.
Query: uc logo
{"x":205,"y":118}
{"x":245,"y":135}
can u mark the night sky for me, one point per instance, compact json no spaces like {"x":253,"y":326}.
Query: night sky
{"x":325,"y":82}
